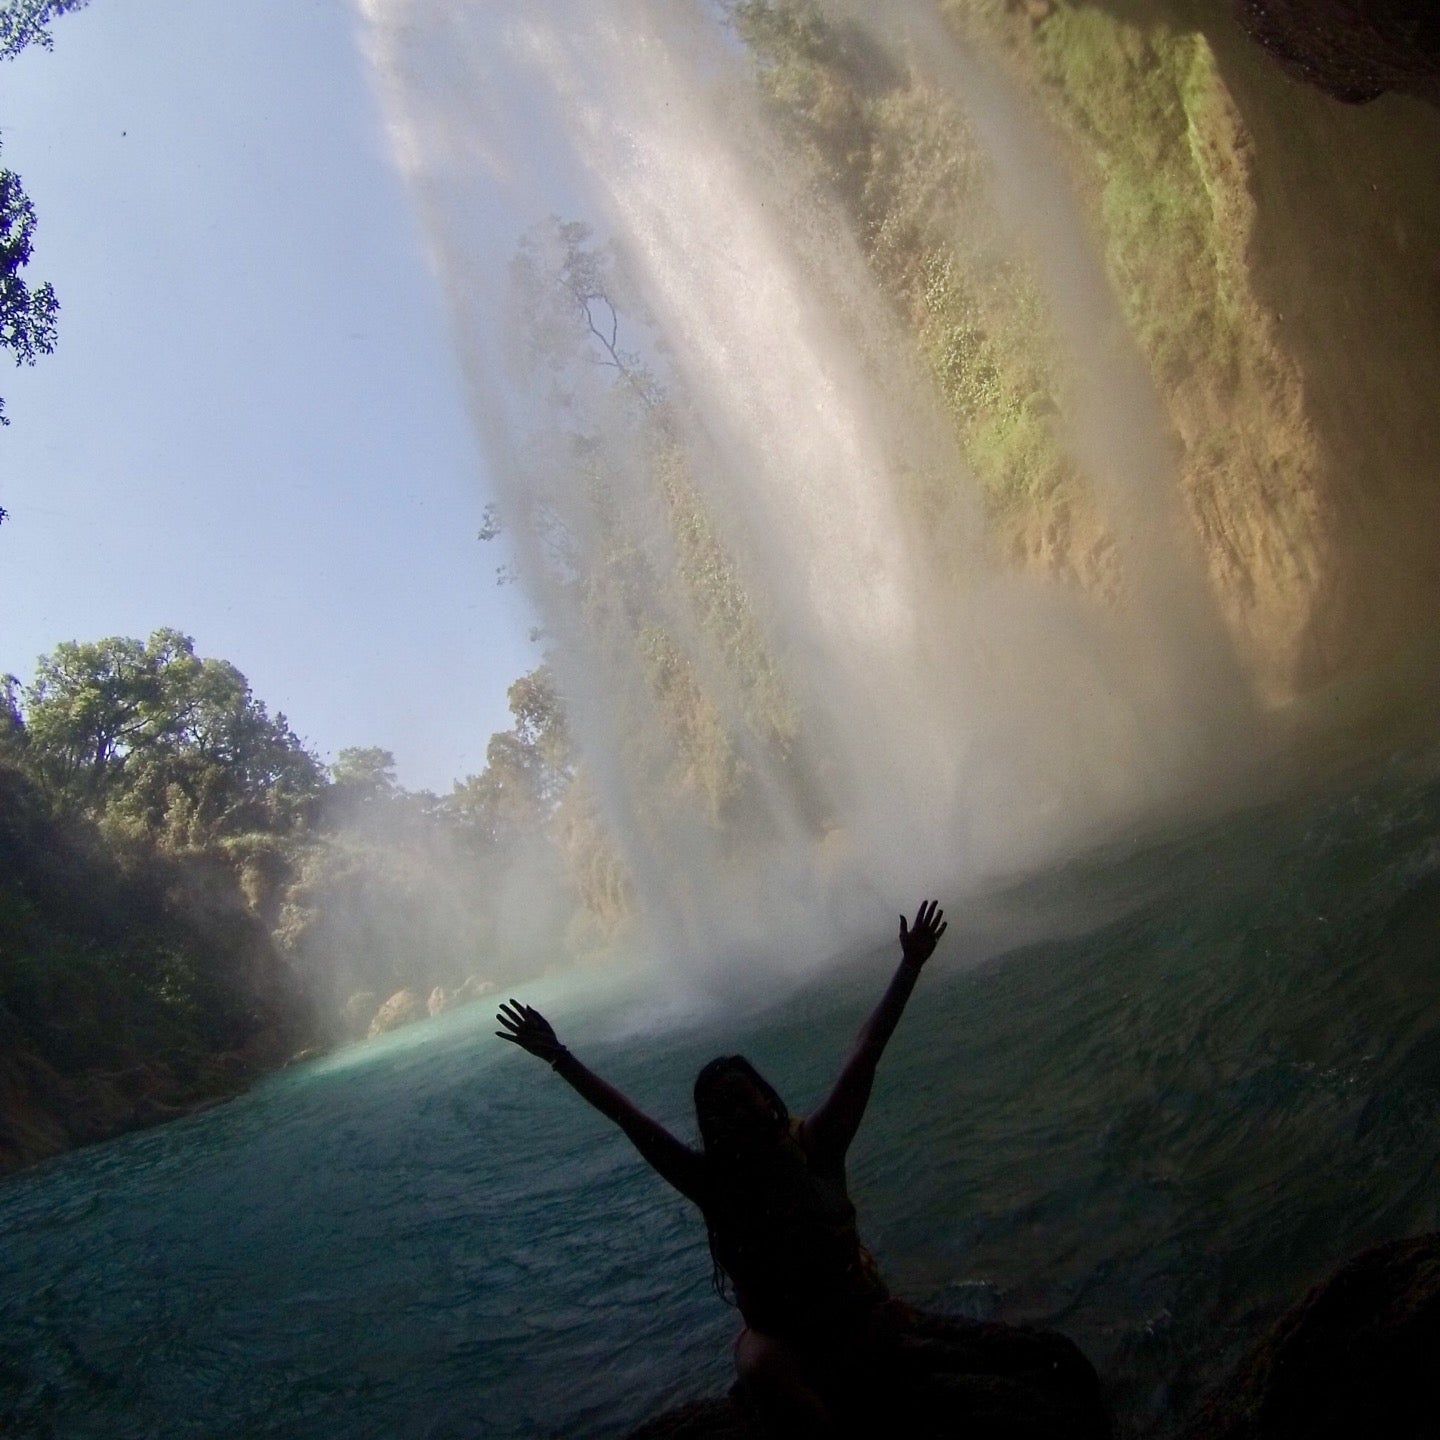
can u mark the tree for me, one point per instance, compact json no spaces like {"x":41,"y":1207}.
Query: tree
{"x":93,"y":703}
{"x":221,"y":764}
{"x":12,"y":721}
{"x":527,"y":769}
{"x":26,"y":22}
{"x":154,"y":728}
{"x":567,"y":294}
{"x":542,"y":733}
{"x":364,"y":775}
{"x":27,"y":317}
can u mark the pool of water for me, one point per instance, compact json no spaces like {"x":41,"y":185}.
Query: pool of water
{"x":1151,"y":1130}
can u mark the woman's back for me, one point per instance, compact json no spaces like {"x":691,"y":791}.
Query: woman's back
{"x":783,"y":1229}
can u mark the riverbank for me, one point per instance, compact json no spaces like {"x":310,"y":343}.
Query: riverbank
{"x":44,"y":1113}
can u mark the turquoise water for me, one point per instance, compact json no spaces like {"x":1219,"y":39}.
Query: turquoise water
{"x":1152,"y":1134}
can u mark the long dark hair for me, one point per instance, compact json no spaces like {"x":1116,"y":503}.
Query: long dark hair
{"x":707,"y":1083}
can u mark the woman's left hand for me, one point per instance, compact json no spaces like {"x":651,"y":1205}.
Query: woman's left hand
{"x":526,"y":1027}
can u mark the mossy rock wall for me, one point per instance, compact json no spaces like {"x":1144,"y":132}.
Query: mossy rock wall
{"x":1272,"y":251}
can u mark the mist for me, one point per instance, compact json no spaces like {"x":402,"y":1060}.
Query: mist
{"x":393,"y":910}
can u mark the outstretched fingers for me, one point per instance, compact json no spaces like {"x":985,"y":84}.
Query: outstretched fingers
{"x":525,"y":1026}
{"x":513,"y":1017}
{"x":925,"y":916}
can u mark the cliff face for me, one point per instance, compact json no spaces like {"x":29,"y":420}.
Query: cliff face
{"x":1274,"y":249}
{"x":1273,"y":254}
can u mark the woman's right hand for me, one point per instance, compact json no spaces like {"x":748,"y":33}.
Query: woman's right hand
{"x":918,"y":941}
{"x":530,"y":1030}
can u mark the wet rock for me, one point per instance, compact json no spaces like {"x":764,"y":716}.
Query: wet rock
{"x":1356,"y":1357}
{"x":941,"y":1376}
{"x":1354,"y":52}
{"x":970,"y":1300}
{"x":1158,"y":1330}
{"x":404,"y":1007}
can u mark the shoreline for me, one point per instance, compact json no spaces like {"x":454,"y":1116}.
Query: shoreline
{"x":45,"y":1115}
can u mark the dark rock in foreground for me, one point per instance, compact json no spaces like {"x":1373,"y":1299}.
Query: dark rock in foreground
{"x":943,"y":1377}
{"x":1354,"y":50}
{"x":700,"y":1420}
{"x":1358,"y":1356}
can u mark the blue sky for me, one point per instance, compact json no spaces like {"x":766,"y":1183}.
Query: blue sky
{"x":252,"y":428}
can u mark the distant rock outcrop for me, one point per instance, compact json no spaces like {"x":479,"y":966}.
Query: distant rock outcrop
{"x":473,"y":988}
{"x":1356,"y":1357}
{"x":365,"y":1018}
{"x":944,"y":1377}
{"x":404,"y":1007}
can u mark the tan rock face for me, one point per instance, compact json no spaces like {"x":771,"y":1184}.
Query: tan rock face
{"x":404,"y":1007}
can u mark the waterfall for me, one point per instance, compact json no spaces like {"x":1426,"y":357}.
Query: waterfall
{"x":803,"y":700}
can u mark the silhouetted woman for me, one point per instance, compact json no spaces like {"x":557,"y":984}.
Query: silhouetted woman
{"x":773,"y":1194}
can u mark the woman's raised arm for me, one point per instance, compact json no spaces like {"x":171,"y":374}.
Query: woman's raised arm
{"x":829,"y":1131}
{"x":676,"y":1162}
